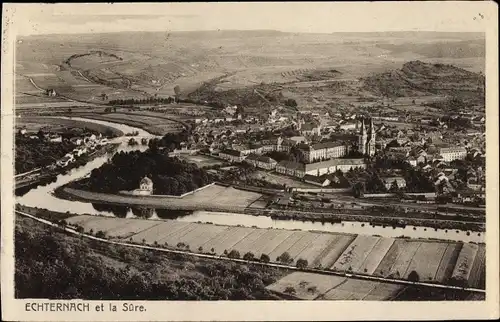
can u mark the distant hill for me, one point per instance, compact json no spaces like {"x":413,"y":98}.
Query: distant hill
{"x":455,"y":49}
{"x":417,"y":78}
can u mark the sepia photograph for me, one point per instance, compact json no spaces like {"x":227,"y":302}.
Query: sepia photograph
{"x":173,"y":152}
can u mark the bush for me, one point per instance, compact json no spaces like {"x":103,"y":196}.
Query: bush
{"x":265,"y":258}
{"x":302,"y":263}
{"x":100,"y":234}
{"x":249,"y":256}
{"x":234,"y":254}
{"x":285,"y":258}
{"x":413,"y":276}
{"x":290,"y":290}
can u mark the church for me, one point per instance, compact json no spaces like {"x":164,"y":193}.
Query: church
{"x":366,"y":138}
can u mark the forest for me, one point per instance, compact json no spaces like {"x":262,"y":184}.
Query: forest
{"x":52,"y":264}
{"x":170,"y":175}
{"x":31,"y":153}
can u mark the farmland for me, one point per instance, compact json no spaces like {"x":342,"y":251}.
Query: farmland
{"x":156,"y":125}
{"x":201,"y":160}
{"x":311,"y":286}
{"x":432,"y":261}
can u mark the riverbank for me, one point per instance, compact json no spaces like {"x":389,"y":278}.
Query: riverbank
{"x":50,"y":175}
{"x":214,"y":205}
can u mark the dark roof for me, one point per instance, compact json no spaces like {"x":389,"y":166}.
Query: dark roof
{"x":292,"y":165}
{"x":231,"y":152}
{"x":317,"y":179}
{"x":260,"y":158}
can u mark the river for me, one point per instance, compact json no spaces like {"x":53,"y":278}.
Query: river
{"x":42,"y":197}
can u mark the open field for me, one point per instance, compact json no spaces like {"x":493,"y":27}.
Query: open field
{"x":433,"y":261}
{"x":310,"y":286}
{"x":465,"y":262}
{"x":353,"y":257}
{"x":426,"y":261}
{"x":307,"y":286}
{"x":155,"y":125}
{"x":375,"y":256}
{"x":213,"y":198}
{"x":201,"y":160}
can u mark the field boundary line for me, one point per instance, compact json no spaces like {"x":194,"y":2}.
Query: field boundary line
{"x":411,"y":259}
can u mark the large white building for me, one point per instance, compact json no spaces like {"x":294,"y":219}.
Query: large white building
{"x":453,"y":153}
{"x":322,"y":151}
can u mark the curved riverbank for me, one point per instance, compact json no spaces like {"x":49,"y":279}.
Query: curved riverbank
{"x":309,"y":220}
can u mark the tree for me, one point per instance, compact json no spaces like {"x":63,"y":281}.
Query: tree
{"x":290,"y":290}
{"x":234,"y":254}
{"x":265,"y":258}
{"x":100,"y":234}
{"x":285,"y":258}
{"x":249,"y":256}
{"x":302,"y":263}
{"x":200,"y":249}
{"x":413,"y":276}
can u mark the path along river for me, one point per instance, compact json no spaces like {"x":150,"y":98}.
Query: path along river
{"x":42,"y":197}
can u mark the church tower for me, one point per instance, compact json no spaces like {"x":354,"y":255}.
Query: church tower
{"x":371,"y":143}
{"x":362,"y":138}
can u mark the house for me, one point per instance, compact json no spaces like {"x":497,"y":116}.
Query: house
{"x":413,"y":161}
{"x":79,"y":152}
{"x":232,"y":155}
{"x":23,"y":131}
{"x":333,"y":165}
{"x":321,"y":181}
{"x":400,"y":182}
{"x":291,"y":168}
{"x":76,"y":141}
{"x":261,"y":161}
{"x":145,"y":187}
{"x":55,"y":138}
{"x":67,"y":159}
{"x":322,"y":151}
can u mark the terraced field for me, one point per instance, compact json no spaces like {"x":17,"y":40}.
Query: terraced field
{"x":432,"y":261}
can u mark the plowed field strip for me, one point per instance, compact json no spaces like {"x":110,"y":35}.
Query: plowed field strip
{"x":339,"y":247}
{"x":193,"y":234}
{"x":227,"y":242}
{"x":284,"y":246}
{"x":477,"y":267}
{"x":376,"y":256}
{"x":311,"y":253}
{"x":173,"y":238}
{"x":465,"y":261}
{"x":267,"y":238}
{"x":302,"y":244}
{"x":426,"y":260}
{"x":280,"y":239}
{"x":405,"y":255}
{"x":353,"y":256}
{"x":154,"y":233}
{"x":448,"y":262}
{"x":244,"y":244}
{"x":329,"y":246}
{"x":208,"y":235}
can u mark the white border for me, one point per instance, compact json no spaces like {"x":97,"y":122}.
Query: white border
{"x":427,"y":16}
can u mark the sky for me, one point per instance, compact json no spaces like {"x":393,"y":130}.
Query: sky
{"x":322,"y":17}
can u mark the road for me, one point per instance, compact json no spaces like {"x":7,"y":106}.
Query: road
{"x":241,"y":261}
